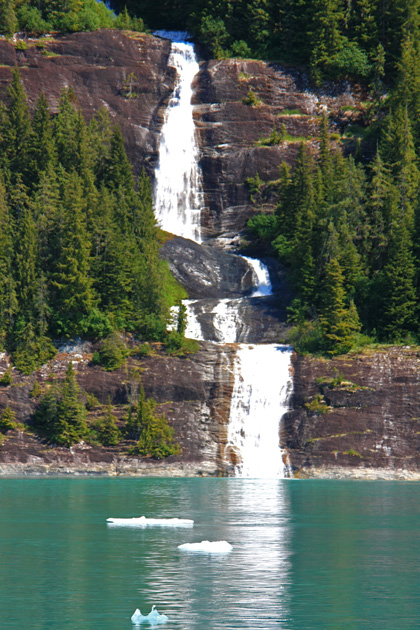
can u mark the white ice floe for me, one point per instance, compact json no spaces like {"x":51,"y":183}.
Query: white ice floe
{"x":153,"y":617}
{"x":142,"y":521}
{"x":217,"y":546}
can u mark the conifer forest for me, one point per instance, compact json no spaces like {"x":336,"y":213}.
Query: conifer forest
{"x":79,"y":244}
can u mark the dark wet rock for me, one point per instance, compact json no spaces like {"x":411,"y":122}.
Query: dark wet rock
{"x":369,"y":422}
{"x":206,"y":271}
{"x":250,"y":320}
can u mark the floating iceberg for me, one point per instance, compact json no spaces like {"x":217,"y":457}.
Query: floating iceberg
{"x":153,"y":617}
{"x":218,"y":546}
{"x":142,"y":521}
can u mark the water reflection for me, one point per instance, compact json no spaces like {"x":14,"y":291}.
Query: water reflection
{"x":247,"y":588}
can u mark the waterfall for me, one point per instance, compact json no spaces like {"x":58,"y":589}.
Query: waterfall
{"x":262,"y":375}
{"x":259,"y":400}
{"x":263,"y":277}
{"x":178,"y":191}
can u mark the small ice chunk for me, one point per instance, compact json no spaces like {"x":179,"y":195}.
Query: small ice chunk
{"x":142,"y":521}
{"x":217,"y":546}
{"x":153,"y":617}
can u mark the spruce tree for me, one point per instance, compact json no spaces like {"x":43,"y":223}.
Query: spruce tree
{"x":42,"y":151}
{"x":73,"y":296}
{"x":156,"y":436}
{"x":19,"y":128}
{"x":61,"y":416}
{"x":339,"y":323}
{"x":399,"y":305}
{"x":106,"y":427}
{"x":8,"y":300}
{"x":8,"y":19}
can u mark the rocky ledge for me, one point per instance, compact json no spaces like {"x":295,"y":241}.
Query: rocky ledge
{"x":356,"y":416}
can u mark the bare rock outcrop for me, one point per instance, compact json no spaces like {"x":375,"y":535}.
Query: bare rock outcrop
{"x":356,"y":415}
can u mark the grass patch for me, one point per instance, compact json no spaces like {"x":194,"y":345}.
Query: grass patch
{"x":50,"y":53}
{"x":291,"y":112}
{"x":318,"y":405}
{"x":353,"y":453}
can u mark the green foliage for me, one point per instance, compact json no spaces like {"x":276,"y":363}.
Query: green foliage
{"x":91,"y":401}
{"x":21,"y":45}
{"x":252,"y":99}
{"x":112,"y":353}
{"x":79,"y":248}
{"x":6,"y":379}
{"x":262,"y":226}
{"x":275,"y":137}
{"x":8,"y":19}
{"x":353,"y":453}
{"x":31,"y":21}
{"x":156,"y":437}
{"x":7,"y":420}
{"x":61,"y":416}
{"x":107,"y":429}
{"x":36,"y":390}
{"x":318,"y":405}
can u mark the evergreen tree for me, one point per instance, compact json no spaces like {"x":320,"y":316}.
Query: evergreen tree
{"x":8,"y":20}
{"x":42,"y":151}
{"x":7,"y":420}
{"x":380,"y":203}
{"x":118,"y":172}
{"x":399,"y":305}
{"x":19,"y":127}
{"x":400,"y":156}
{"x":107,"y":429}
{"x":8,"y":301}
{"x":73,"y":297}
{"x":61,"y":417}
{"x":156,"y":436}
{"x":339,"y":323}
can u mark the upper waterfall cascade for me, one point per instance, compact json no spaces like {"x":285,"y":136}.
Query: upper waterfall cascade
{"x":178,"y":191}
{"x":261,"y":372}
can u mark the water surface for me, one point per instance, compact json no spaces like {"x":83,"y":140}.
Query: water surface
{"x":307,"y":555}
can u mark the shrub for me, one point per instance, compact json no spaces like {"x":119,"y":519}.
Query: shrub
{"x":112,"y":353}
{"x":36,"y":390}
{"x":6,"y":379}
{"x":91,"y":401}
{"x":252,"y":99}
{"x":31,"y":21}
{"x":7,"y":420}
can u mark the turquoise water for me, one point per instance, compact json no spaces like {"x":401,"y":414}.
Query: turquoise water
{"x":307,"y":555}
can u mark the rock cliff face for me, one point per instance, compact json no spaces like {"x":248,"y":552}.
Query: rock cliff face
{"x":231,"y":126}
{"x":356,"y":416}
{"x":351,"y":416}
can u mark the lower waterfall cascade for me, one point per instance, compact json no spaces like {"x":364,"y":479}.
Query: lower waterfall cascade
{"x":262,"y":380}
